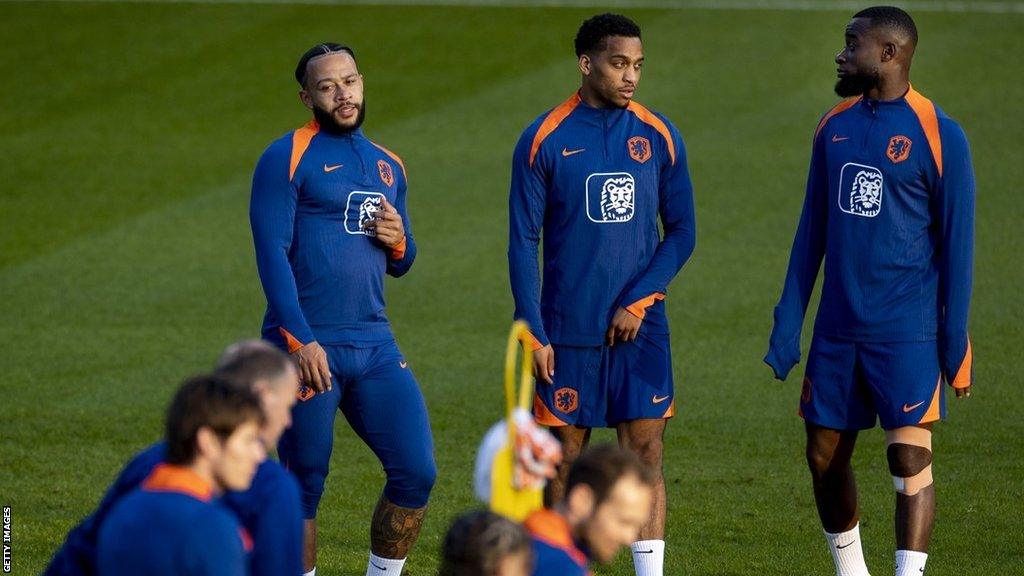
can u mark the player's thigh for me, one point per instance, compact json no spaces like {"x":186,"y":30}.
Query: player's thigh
{"x":834,"y":394}
{"x":310,"y":438}
{"x":905,"y":380}
{"x":570,"y":400}
{"x":639,"y":380}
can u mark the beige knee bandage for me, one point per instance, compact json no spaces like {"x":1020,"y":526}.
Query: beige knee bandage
{"x":909,"y":451}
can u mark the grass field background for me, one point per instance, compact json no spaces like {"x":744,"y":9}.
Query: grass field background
{"x":129,"y":133}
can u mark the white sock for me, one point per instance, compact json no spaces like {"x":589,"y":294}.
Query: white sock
{"x":311,"y":572}
{"x":847,"y":552}
{"x":648,"y":557}
{"x":910,"y":562}
{"x":384,"y":566}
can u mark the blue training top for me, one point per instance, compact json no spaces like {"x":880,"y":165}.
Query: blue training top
{"x":890,"y":208}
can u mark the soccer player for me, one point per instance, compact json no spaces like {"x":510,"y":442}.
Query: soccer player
{"x":269,"y":510}
{"x":486,"y":544}
{"x":890,"y":207}
{"x":170,"y":525}
{"x":608,"y":499}
{"x":329,"y":221}
{"x":595,"y":174}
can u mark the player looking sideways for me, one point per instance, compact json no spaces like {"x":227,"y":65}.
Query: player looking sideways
{"x":328,"y":222}
{"x":595,"y":174}
{"x":171,"y":524}
{"x":890,"y":207}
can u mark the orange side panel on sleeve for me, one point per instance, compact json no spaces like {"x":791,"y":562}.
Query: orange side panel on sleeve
{"x":170,"y":478}
{"x":293,"y":343}
{"x":639,"y":308}
{"x":553,"y":119}
{"x":544,"y":416}
{"x":651,"y":119}
{"x":398,"y":250}
{"x":963,"y":374}
{"x":925,"y":111}
{"x":838,"y":108}
{"x":394,"y":157}
{"x":300,"y":142}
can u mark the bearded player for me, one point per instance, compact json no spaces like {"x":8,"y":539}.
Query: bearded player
{"x":328,"y":215}
{"x":595,"y":174}
{"x":890,"y":208}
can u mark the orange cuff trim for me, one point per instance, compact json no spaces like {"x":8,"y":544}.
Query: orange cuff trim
{"x":170,"y":478}
{"x":963,"y":375}
{"x":925,"y":111}
{"x":300,"y":142}
{"x":651,"y":119}
{"x":398,"y":250}
{"x":838,"y":108}
{"x":544,"y":416}
{"x":293,"y":343}
{"x":533,"y":342}
{"x":551,"y":121}
{"x":639,"y":308}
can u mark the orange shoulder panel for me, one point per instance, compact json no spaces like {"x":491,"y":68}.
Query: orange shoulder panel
{"x":648,"y":117}
{"x":394,"y":157}
{"x":551,"y":121}
{"x":552,"y":528}
{"x":838,"y":108}
{"x":170,"y":478}
{"x":300,"y":142}
{"x":925,"y":111}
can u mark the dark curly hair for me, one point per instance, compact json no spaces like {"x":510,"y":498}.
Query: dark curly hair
{"x":892,"y":18}
{"x":593,"y":34}
{"x":477,"y":542}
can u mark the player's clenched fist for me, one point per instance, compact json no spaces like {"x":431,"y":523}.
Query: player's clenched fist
{"x":387,"y":224}
{"x":313,"y":367}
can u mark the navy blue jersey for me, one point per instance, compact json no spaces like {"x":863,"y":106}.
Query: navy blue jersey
{"x":269,"y":511}
{"x":323,"y":275}
{"x":170,"y":526}
{"x":555,"y":551}
{"x":596,"y":181}
{"x":890,"y":208}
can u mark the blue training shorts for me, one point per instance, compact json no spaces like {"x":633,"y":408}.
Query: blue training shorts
{"x":601,"y":386}
{"x":847,"y":384}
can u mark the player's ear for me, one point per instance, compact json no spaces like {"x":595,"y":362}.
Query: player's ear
{"x":889,"y":51}
{"x":306,"y":98}
{"x":580,"y":501}
{"x":207,"y":443}
{"x":585,"y":64}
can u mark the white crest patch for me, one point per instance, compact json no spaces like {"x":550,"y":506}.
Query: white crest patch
{"x":860,"y":190}
{"x":360,"y":208}
{"x":611,"y":197}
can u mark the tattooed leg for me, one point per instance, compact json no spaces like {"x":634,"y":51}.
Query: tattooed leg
{"x":394,"y":529}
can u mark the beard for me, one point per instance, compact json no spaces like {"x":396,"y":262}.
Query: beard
{"x":328,"y":124}
{"x":856,"y":84}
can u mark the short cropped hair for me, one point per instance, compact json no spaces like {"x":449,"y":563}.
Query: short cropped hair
{"x":477,"y":542}
{"x":318,"y":50}
{"x":211,"y":402}
{"x":601,"y":468}
{"x":593,"y":33}
{"x":891,"y":17}
{"x":244,"y":363}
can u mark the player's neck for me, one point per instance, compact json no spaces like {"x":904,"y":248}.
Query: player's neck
{"x":204,"y":470}
{"x":590,"y":98}
{"x":889,"y":89}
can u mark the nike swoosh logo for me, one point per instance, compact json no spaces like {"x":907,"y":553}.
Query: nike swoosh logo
{"x":657,"y":400}
{"x":912,"y":408}
{"x":381,"y":568}
{"x":332,"y":168}
{"x":566,"y":152}
{"x":838,"y":547}
{"x":837,"y":138}
{"x":403,"y":363}
{"x":643,"y":551}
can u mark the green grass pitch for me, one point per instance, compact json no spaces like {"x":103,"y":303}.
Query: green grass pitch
{"x":129,"y":132}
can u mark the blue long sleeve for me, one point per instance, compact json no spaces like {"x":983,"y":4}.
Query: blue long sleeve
{"x":526,"y":217}
{"x":804,"y":263}
{"x":954,"y":215}
{"x":399,"y":262}
{"x":675,"y":206}
{"x":272,"y":217}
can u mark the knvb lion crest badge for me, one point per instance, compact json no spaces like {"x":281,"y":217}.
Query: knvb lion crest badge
{"x":361,"y":208}
{"x":611,"y":197}
{"x":860,"y":190}
{"x":387,"y":175}
{"x":566,"y":400}
{"x":898,"y":149}
{"x":639,"y":148}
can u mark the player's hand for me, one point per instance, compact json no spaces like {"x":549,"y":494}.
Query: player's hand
{"x":963,"y":392}
{"x":313,"y":368}
{"x":544,"y":364}
{"x":387,"y":223}
{"x":625,"y":326}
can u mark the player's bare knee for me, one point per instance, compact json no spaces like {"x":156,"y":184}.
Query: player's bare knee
{"x":819,"y":459}
{"x":649,"y":450}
